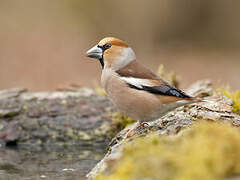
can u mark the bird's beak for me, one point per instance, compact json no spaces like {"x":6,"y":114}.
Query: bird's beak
{"x":95,"y":52}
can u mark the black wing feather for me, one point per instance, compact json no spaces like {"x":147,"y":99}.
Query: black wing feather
{"x":163,"y":89}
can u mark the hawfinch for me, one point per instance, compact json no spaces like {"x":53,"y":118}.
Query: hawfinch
{"x":135,"y":90}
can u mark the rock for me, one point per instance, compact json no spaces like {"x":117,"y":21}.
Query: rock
{"x":10,"y":112}
{"x":76,"y":116}
{"x":207,"y":150}
{"x":9,"y":93}
{"x":201,"y":88}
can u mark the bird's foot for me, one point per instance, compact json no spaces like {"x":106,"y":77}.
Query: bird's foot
{"x":132,"y":131}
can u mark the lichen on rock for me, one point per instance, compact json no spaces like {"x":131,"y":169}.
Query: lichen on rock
{"x":235,"y":96}
{"x":119,"y":122}
{"x":208,"y":150}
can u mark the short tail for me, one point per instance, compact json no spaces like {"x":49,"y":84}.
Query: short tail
{"x":193,"y":99}
{"x":187,"y":101}
{"x":198,"y":100}
{"x":205,"y":100}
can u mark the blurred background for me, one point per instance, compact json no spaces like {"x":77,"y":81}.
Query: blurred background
{"x":43,"y":43}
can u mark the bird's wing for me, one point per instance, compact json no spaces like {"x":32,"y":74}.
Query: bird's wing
{"x":138,"y":77}
{"x":137,"y":70}
{"x":154,"y":87}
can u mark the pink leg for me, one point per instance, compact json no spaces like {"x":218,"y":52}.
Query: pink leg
{"x":132,"y":131}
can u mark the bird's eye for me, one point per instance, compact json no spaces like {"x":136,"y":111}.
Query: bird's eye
{"x":107,"y":46}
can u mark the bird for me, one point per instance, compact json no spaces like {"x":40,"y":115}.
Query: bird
{"x":134,"y":89}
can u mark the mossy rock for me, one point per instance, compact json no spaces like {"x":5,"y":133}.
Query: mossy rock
{"x":209,"y":151}
{"x":235,"y":96}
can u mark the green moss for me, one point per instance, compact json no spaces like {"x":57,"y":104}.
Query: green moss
{"x":208,"y":151}
{"x":1,"y":126}
{"x":77,"y":135}
{"x":235,"y":96}
{"x":83,"y":135}
{"x":170,"y":77}
{"x":100,"y":91}
{"x":120,"y":121}
{"x":70,"y":133}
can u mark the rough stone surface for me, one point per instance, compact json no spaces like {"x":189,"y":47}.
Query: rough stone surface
{"x":64,"y":117}
{"x":215,"y":108}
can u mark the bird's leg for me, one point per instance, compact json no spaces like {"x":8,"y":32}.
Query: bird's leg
{"x":132,"y":131}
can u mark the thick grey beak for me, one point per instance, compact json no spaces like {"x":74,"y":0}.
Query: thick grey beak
{"x":95,"y":52}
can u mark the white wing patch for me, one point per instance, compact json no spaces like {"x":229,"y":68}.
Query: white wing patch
{"x":137,"y":82}
{"x":149,"y":86}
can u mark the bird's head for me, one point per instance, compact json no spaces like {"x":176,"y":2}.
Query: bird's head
{"x":112,"y":53}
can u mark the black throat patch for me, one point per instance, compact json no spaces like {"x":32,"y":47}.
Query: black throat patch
{"x":102,"y":62}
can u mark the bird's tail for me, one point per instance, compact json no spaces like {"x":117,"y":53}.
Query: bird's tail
{"x":191,"y":101}
{"x":199,"y":100}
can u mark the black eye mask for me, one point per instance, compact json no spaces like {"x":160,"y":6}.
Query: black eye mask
{"x":104,"y":48}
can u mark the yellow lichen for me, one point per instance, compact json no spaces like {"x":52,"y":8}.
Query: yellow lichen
{"x":235,"y":96}
{"x":209,"y":151}
{"x":120,"y":121}
{"x":83,"y":135}
{"x":171,"y":77}
{"x":160,"y":70}
{"x":99,"y":90}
